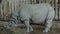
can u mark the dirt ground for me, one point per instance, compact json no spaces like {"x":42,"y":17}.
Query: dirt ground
{"x":37,"y":29}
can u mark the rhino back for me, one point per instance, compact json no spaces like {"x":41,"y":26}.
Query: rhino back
{"x":34,"y":11}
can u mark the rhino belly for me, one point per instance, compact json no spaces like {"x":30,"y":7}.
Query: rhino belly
{"x":39,"y":17}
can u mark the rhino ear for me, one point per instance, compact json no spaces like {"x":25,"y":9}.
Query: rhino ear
{"x":0,"y":1}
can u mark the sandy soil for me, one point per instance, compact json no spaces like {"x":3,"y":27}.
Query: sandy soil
{"x":37,"y":29}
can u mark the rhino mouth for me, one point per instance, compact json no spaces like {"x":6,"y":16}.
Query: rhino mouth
{"x":10,"y":26}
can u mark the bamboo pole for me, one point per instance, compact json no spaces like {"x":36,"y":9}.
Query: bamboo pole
{"x":13,"y":4}
{"x":46,"y":1}
{"x":2,"y":10}
{"x":5,"y":10}
{"x":33,"y":1}
{"x":39,"y":1}
{"x":16,"y":4}
{"x":10,"y":5}
{"x":56,"y":8}
{"x":28,"y":1}
{"x":53,"y":3}
{"x":59,"y":9}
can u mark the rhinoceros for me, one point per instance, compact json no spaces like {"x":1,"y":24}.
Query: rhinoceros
{"x":38,"y":13}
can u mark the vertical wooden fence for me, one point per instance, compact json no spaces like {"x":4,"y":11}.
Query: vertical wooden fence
{"x":9,"y":6}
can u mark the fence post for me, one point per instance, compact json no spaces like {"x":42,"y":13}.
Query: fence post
{"x":59,"y":8}
{"x":56,"y":9}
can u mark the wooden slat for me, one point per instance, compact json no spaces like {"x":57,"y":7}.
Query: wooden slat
{"x":56,"y":9}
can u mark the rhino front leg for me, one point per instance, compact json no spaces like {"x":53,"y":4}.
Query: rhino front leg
{"x":31,"y":29}
{"x":27,"y":25}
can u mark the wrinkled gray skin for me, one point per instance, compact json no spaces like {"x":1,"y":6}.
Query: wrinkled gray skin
{"x":37,"y":12}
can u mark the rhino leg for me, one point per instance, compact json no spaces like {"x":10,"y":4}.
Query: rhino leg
{"x":31,"y":29}
{"x":48,"y":26}
{"x":27,"y":25}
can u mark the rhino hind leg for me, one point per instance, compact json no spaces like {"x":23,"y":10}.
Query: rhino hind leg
{"x":48,"y":26}
{"x":49,"y":20}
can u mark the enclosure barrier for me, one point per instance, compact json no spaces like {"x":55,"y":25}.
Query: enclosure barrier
{"x":9,"y":6}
